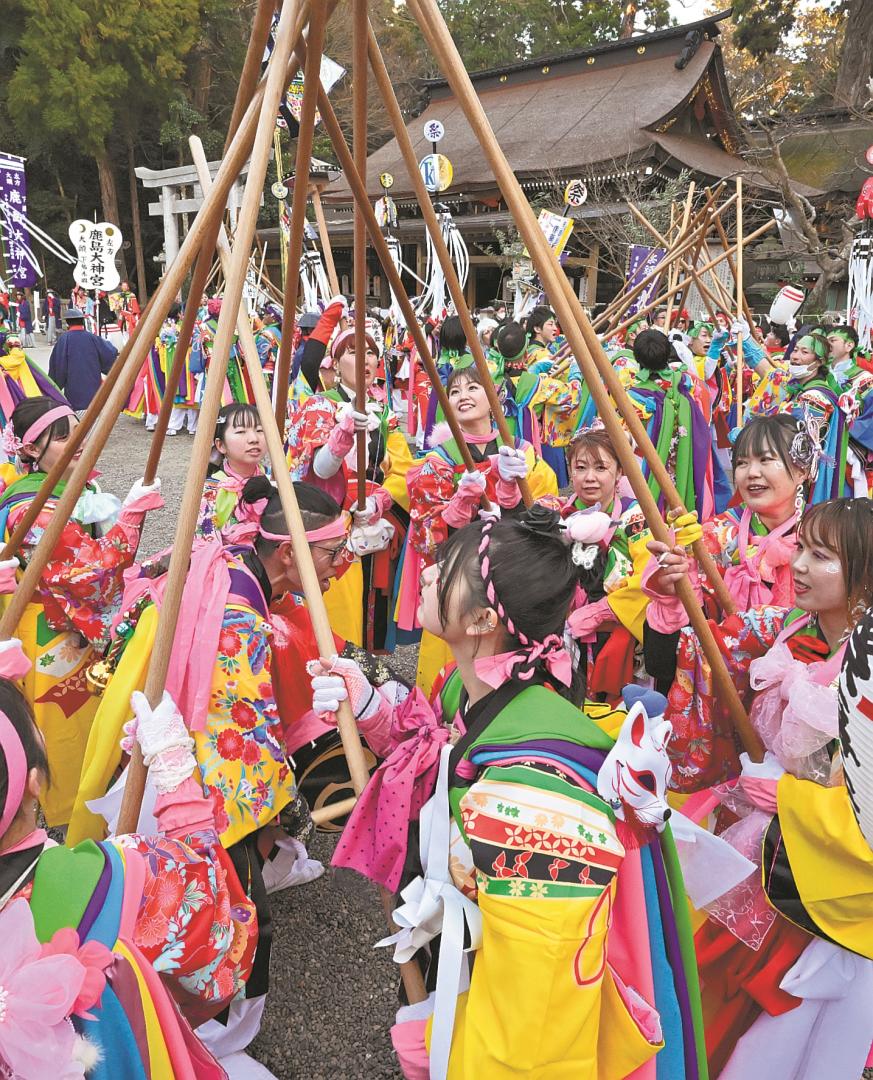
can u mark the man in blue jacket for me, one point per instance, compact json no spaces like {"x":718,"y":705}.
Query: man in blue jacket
{"x":79,"y":361}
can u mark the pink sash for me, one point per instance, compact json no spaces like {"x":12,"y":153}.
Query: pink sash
{"x":744,"y":580}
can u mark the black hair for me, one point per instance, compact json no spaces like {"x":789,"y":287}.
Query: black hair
{"x":317,"y":508}
{"x":27,"y":412}
{"x":537,"y":600}
{"x":509,"y":339}
{"x":14,"y":704}
{"x":653,"y":350}
{"x":452,"y":336}
{"x":236,"y":413}
{"x":537,"y":319}
{"x":767,"y":433}
{"x":849,"y":331}
{"x":781,"y":333}
{"x":468,"y":372}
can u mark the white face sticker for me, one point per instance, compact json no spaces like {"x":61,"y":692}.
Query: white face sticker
{"x":833,"y":567}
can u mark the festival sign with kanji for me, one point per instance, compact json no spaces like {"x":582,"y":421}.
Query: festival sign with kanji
{"x":641,"y":262}
{"x":20,"y":261}
{"x":96,"y":244}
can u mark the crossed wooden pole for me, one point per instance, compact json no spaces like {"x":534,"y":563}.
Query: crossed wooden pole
{"x":251,"y":133}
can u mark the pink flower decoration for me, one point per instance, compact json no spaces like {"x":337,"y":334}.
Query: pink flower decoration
{"x":94,"y":957}
{"x":37,"y":995}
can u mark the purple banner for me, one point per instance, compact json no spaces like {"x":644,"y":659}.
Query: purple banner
{"x":641,"y":262}
{"x":13,"y":211}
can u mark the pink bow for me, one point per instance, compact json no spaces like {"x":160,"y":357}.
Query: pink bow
{"x":374,"y":841}
{"x":247,"y":525}
{"x":553,"y":654}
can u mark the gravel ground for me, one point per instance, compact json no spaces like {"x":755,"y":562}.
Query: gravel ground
{"x":332,"y":999}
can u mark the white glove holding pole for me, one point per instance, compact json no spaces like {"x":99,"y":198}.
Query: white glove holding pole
{"x":164,"y":740}
{"x":511,"y":464}
{"x":141,"y":488}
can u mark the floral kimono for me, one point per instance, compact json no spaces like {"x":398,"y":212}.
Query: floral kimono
{"x":432,"y":484}
{"x":65,"y":627}
{"x":20,"y":378}
{"x":755,"y":563}
{"x":236,"y":383}
{"x":609,"y":622}
{"x":555,"y":403}
{"x":162,"y":923}
{"x":359,"y":601}
{"x":221,"y":495}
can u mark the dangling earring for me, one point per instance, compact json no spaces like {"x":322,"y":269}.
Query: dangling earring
{"x":799,"y":503}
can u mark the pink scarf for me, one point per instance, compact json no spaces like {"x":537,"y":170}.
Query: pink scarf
{"x":375,"y":840}
{"x":744,"y":580}
{"x":195,"y":645}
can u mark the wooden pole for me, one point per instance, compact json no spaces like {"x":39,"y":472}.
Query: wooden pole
{"x":682,"y":248}
{"x":348,"y":730}
{"x":584,"y":343}
{"x":177,"y":573}
{"x":359,"y":192}
{"x":324,"y":236}
{"x":359,"y":233}
{"x":722,"y":234}
{"x":739,"y":277}
{"x":203,"y":268}
{"x":701,"y":270}
{"x":683,"y":226}
{"x":392,"y":106}
{"x":311,"y":83}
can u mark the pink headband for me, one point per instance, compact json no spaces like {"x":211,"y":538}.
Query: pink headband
{"x":551,"y":650}
{"x":16,"y":771}
{"x":46,"y":420}
{"x":341,"y":341}
{"x":332,"y":531}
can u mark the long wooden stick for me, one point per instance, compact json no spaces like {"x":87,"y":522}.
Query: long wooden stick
{"x":732,"y":266}
{"x":583,"y":340}
{"x":684,"y":225}
{"x":311,"y":82}
{"x":359,"y":191}
{"x":359,"y":233}
{"x":688,"y":242}
{"x":203,"y":268}
{"x":324,"y":236}
{"x":112,"y":395}
{"x":297,"y":531}
{"x":177,"y":574}
{"x":684,"y":284}
{"x":392,"y":106}
{"x":346,"y":725}
{"x":739,"y":279}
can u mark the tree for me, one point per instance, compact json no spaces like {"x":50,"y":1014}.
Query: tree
{"x":85,"y":65}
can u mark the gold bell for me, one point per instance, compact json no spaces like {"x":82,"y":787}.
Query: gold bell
{"x":97,"y":677}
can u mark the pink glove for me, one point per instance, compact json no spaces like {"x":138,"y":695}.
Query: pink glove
{"x":339,"y":679}
{"x":584,"y":622}
{"x":8,"y":569}
{"x":759,"y":781}
{"x":342,"y":438}
{"x":14,"y":664}
{"x":133,"y":513}
{"x":461,"y":508}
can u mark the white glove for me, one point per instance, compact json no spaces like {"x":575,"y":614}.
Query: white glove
{"x":768,"y":769}
{"x":368,"y":539}
{"x":327,"y":693}
{"x":164,"y":740}
{"x":139,"y":489}
{"x":511,"y":463}
{"x":471,"y":484}
{"x":740,"y":326}
{"x":369,"y":514}
{"x":492,"y":514}
{"x":363,"y":421}
{"x":680,"y":336}
{"x":338,"y":299}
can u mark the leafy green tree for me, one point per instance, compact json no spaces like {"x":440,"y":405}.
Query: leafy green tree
{"x":87,"y":66}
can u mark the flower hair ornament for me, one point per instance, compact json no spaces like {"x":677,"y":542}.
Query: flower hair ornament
{"x":805,"y":450}
{"x":540,"y":522}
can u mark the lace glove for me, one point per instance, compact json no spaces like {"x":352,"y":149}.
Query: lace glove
{"x":462,"y":506}
{"x":164,"y":740}
{"x":339,"y":679}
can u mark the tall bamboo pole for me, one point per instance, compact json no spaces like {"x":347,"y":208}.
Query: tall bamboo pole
{"x":324,"y":237}
{"x":584,"y":342}
{"x":359,"y":233}
{"x":311,"y":83}
{"x":683,"y":226}
{"x":177,"y":573}
{"x":392,"y":106}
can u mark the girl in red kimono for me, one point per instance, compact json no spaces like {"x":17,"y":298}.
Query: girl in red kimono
{"x":784,"y":662}
{"x":65,"y":627}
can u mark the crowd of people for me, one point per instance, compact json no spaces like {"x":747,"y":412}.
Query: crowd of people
{"x":595,"y":877}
